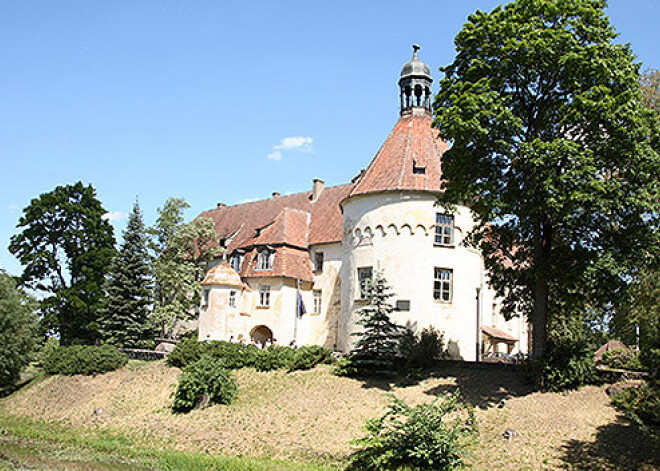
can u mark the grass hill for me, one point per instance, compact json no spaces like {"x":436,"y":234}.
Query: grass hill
{"x":311,"y":416}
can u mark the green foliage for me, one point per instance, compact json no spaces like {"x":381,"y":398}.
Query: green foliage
{"x":84,"y":360}
{"x":307,"y":357}
{"x":18,"y":330}
{"x":568,"y":364}
{"x":621,"y":358}
{"x":185,"y":353}
{"x":46,"y":350}
{"x":421,"y":350}
{"x":431,"y":436}
{"x":376,"y":349}
{"x":180,"y":252}
{"x":650,"y":82}
{"x":206,"y":380}
{"x":344,"y":367}
{"x":236,"y":356}
{"x":274,"y":358}
{"x":124,"y":320}
{"x":642,"y":405}
{"x":555,"y":152}
{"x":66,"y":246}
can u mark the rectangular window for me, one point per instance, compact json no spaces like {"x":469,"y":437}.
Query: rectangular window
{"x":318,"y":261}
{"x":265,"y":260}
{"x":444,"y":229}
{"x":264,"y":295}
{"x":442,"y":284}
{"x":232,"y":298}
{"x":365,"y":275}
{"x":318,"y":298}
{"x":205,"y":297}
{"x":236,"y":262}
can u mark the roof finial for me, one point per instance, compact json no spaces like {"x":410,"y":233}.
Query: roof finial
{"x":416,"y":48}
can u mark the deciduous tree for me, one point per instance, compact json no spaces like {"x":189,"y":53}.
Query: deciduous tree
{"x":554,"y":152}
{"x":65,"y":246}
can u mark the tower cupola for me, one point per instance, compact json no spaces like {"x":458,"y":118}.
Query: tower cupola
{"x":415,"y":84}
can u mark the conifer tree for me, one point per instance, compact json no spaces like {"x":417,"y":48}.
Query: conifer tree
{"x":375,"y":351}
{"x":125,"y":317}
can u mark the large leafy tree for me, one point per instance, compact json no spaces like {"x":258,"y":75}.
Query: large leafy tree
{"x":125,"y":316}
{"x":18,"y":330}
{"x":181,"y":253}
{"x":650,"y":82}
{"x":65,"y":246}
{"x":554,"y":152}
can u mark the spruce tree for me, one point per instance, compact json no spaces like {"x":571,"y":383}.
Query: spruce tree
{"x":125,"y":317}
{"x":375,"y":351}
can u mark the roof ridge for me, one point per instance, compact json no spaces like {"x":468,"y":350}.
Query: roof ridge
{"x":405,"y":152}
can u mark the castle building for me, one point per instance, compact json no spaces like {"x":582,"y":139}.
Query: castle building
{"x":296,"y":265}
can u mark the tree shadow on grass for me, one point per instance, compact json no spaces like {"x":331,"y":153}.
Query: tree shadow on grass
{"x":619,"y":445}
{"x":481,"y":386}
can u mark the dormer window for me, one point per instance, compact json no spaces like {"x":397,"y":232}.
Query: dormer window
{"x":265,"y":260}
{"x":236,"y":262}
{"x":418,"y":169}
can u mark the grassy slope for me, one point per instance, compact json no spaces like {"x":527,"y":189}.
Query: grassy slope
{"x":311,"y":416}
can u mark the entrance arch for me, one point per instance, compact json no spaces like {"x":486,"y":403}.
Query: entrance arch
{"x":261,"y":334}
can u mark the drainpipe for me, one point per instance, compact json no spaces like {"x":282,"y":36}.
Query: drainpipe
{"x":478,"y":343}
{"x":295,"y":321}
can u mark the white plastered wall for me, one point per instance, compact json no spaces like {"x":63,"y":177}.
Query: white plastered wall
{"x":395,"y":232}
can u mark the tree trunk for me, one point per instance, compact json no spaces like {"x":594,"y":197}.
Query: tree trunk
{"x":542,"y":247}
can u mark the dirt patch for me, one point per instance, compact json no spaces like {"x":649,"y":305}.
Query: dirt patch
{"x":313,"y":414}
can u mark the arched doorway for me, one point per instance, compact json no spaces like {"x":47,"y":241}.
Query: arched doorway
{"x":261,"y":334}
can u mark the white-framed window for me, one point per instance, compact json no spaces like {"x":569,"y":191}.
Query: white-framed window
{"x":318,"y":299}
{"x":442,"y":284}
{"x":318,"y":261}
{"x":264,"y":295}
{"x":265,"y":260}
{"x":236,"y":262}
{"x":444,"y":229}
{"x":232,"y":298}
{"x":365,"y":275}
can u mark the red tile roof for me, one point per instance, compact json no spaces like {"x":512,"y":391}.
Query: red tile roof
{"x":498,"y":334}
{"x":283,"y":218}
{"x":413,"y":143}
{"x":288,"y":262}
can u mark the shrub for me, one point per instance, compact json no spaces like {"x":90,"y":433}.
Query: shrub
{"x":204,"y":382}
{"x":47,"y":349}
{"x":307,"y":357}
{"x":642,"y":405}
{"x":185,"y":353}
{"x":568,"y":364}
{"x":84,"y":360}
{"x":619,"y":357}
{"x":274,"y":358}
{"x":425,"y":437}
{"x":234,"y":355}
{"x":344,"y":367}
{"x":421,"y":350}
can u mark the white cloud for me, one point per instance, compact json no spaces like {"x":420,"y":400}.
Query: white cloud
{"x":114,"y":216}
{"x":295,"y":143}
{"x":275,"y":155}
{"x":12,"y":207}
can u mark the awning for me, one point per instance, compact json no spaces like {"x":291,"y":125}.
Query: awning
{"x":498,"y":334}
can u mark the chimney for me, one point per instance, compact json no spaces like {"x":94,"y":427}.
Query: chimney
{"x":276,"y":194}
{"x":317,"y":189}
{"x":221,"y":205}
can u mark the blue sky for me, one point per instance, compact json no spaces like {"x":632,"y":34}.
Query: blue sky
{"x":214,"y":101}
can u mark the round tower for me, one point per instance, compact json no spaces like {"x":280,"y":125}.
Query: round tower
{"x":393,"y":223}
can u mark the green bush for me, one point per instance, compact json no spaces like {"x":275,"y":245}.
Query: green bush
{"x":567,"y":364}
{"x":420,"y":351}
{"x":204,"y":382}
{"x":234,"y":355}
{"x":185,"y":353}
{"x":46,"y":350}
{"x":642,"y":405}
{"x":307,"y":357}
{"x":431,"y":436}
{"x":84,"y":360}
{"x":344,"y":367}
{"x":274,"y":358}
{"x":619,"y":357}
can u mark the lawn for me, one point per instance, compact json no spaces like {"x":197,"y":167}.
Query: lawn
{"x":310,"y":417}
